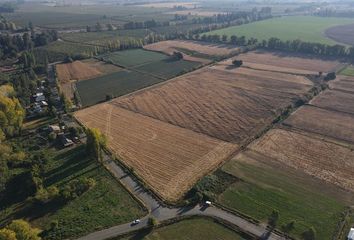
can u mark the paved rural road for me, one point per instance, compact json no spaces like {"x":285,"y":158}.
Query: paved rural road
{"x":162,"y":213}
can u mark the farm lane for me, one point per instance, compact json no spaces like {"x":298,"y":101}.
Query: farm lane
{"x":162,"y":213}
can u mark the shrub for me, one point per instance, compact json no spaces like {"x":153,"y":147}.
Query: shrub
{"x":237,"y":63}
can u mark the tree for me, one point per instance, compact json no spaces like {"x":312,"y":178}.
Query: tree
{"x":287,"y":228}
{"x":95,"y":143}
{"x":310,"y":234}
{"x":7,"y":234}
{"x":11,"y":115}
{"x":273,"y":218}
{"x":152,"y":222}
{"x":23,"y":230}
{"x":177,"y":55}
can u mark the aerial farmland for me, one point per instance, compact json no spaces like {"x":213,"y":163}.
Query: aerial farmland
{"x":176,"y":120}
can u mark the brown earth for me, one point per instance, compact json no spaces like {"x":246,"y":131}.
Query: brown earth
{"x":335,"y":100}
{"x":317,"y":157}
{"x":169,"y":159}
{"x":170,"y":46}
{"x":344,"y":83}
{"x":227,"y":66}
{"x":69,"y":73}
{"x":228,"y":106}
{"x":282,"y":62}
{"x":343,"y":34}
{"x":328,"y":123}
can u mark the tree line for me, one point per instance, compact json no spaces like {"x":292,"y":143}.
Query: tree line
{"x":12,"y":45}
{"x":297,"y":45}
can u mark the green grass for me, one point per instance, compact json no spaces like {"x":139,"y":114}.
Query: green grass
{"x":105,"y":205}
{"x":117,"y":84}
{"x":133,"y":58}
{"x":190,"y":229}
{"x":348,"y":71}
{"x":264,"y":188}
{"x":168,"y":68}
{"x":305,"y":28}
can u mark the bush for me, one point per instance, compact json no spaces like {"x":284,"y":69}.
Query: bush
{"x":76,"y":188}
{"x":237,"y":63}
{"x":330,"y":76}
{"x":152,"y":222}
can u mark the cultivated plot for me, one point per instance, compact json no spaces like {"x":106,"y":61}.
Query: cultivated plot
{"x":342,"y":33}
{"x":133,"y":58}
{"x":194,"y":51}
{"x":317,"y":157}
{"x":333,"y":124}
{"x":112,"y":85}
{"x":69,"y":73}
{"x":283,"y":62}
{"x":344,"y":83}
{"x":170,"y":159}
{"x":232,"y":107}
{"x":335,"y":100}
{"x":267,"y":185}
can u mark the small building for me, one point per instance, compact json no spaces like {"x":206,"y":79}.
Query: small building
{"x":66,"y":142}
{"x":351,"y":234}
{"x":40,"y":98}
{"x":54,"y":128}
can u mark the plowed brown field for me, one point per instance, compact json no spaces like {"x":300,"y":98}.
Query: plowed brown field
{"x":325,"y":122}
{"x":273,"y":61}
{"x":344,"y":83}
{"x":170,"y":159}
{"x":228,"y":106}
{"x":171,"y":46}
{"x":335,"y":100}
{"x":317,"y":157}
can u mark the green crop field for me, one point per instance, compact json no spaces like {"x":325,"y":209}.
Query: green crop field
{"x":97,"y":37}
{"x":298,"y":199}
{"x":195,"y":228}
{"x":305,"y":28}
{"x":133,"y":58}
{"x":168,"y":68}
{"x":348,"y":71}
{"x":116,"y":84}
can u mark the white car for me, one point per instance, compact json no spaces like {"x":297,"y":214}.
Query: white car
{"x":135,"y":222}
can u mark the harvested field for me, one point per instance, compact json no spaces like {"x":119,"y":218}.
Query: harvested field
{"x":296,"y":63}
{"x":81,"y":70}
{"x":227,"y":66}
{"x":333,"y":124}
{"x":343,"y":83}
{"x":75,"y":71}
{"x":170,"y":159}
{"x":228,"y":106}
{"x":204,"y":48}
{"x":317,"y":157}
{"x":335,"y":100}
{"x":343,"y":34}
